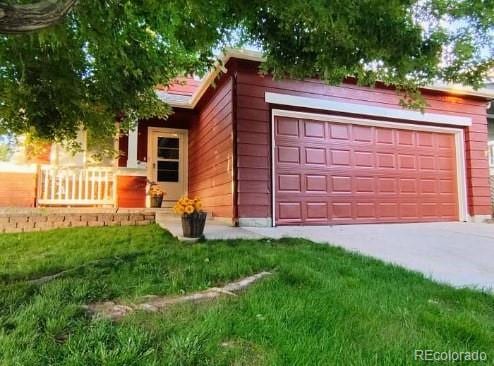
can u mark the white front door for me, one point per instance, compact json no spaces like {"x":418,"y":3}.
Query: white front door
{"x":167,"y":162}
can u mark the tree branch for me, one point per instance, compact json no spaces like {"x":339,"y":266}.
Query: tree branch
{"x":25,"y":18}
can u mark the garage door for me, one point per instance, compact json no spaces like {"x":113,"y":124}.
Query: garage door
{"x":330,"y":172}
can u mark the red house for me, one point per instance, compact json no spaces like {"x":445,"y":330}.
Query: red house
{"x":260,"y":151}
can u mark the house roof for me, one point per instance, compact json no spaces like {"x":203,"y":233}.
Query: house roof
{"x":186,"y":86}
{"x":187,"y":91}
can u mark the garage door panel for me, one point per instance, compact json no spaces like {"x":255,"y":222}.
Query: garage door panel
{"x":446,"y":164}
{"x":315,"y":183}
{"x":340,"y":157}
{"x":384,"y":136}
{"x":447,"y":186}
{"x":406,"y":161}
{"x":409,"y":210}
{"x":287,"y":127}
{"x":365,"y":210}
{"x":362,"y":133}
{"x":289,"y":183}
{"x":364,"y":184}
{"x":288,"y":154}
{"x":425,"y":139}
{"x":448,"y":210}
{"x":386,"y":160}
{"x":290,"y":211}
{"x":427,"y":163}
{"x":341,"y":211}
{"x":430,"y":210}
{"x":405,"y":138}
{"x":339,"y":131}
{"x":428,"y":186}
{"x":316,"y":211}
{"x":387,"y":210}
{"x":407,"y":186}
{"x":387,"y":185}
{"x":315,"y":130}
{"x":315,"y":155}
{"x":445,"y":141}
{"x":363,"y":159}
{"x":331,"y":172}
{"x":341,"y":184}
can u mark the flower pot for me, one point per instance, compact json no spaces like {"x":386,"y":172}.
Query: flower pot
{"x":156,"y":201}
{"x":193,"y":224}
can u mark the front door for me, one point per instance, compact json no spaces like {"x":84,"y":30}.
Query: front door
{"x":167,"y":157}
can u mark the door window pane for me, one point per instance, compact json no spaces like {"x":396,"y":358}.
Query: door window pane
{"x":167,"y":171}
{"x":168,"y":147}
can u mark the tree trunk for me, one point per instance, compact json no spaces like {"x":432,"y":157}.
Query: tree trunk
{"x":25,"y":18}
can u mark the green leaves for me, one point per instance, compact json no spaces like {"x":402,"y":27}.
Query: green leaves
{"x":102,"y":62}
{"x":105,"y":59}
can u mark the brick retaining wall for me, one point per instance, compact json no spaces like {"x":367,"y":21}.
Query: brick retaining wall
{"x":16,"y":221}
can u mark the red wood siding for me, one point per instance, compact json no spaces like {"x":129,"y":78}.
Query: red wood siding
{"x":17,"y":189}
{"x":211,"y":150}
{"x":131,"y":191}
{"x":254,"y":120}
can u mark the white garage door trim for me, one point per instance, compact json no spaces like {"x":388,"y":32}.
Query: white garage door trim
{"x":457,"y":132}
{"x":366,"y":110}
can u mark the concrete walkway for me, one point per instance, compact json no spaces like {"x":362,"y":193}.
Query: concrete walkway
{"x":460,"y":254}
{"x":214,"y":229}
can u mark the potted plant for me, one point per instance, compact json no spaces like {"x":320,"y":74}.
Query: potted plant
{"x":156,"y":194}
{"x":193,"y":218}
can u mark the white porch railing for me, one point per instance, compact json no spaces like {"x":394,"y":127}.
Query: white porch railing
{"x":491,"y":154}
{"x":76,"y":186}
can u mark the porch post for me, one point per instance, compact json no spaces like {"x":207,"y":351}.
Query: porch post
{"x":132,"y":148}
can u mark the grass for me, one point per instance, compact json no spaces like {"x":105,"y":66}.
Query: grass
{"x":323,"y":306}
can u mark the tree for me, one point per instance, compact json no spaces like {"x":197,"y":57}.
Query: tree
{"x":102,"y":59}
{"x":21,"y":18}
{"x":7,"y":144}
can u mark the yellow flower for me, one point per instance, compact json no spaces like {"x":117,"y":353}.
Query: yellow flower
{"x":187,"y":205}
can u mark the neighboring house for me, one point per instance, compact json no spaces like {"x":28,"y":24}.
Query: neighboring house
{"x":490,"y":126}
{"x":490,"y":129}
{"x":260,"y":151}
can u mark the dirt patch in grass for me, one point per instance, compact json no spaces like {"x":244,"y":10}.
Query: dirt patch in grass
{"x":116,"y":311}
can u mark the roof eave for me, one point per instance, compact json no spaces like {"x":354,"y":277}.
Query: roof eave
{"x":256,"y":56}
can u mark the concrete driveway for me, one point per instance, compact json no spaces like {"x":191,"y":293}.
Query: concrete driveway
{"x":461,"y":254}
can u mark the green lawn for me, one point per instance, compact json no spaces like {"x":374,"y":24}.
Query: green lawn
{"x":322,"y":306}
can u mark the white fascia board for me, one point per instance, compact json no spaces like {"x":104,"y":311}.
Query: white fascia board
{"x":219,"y":66}
{"x":366,"y":110}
